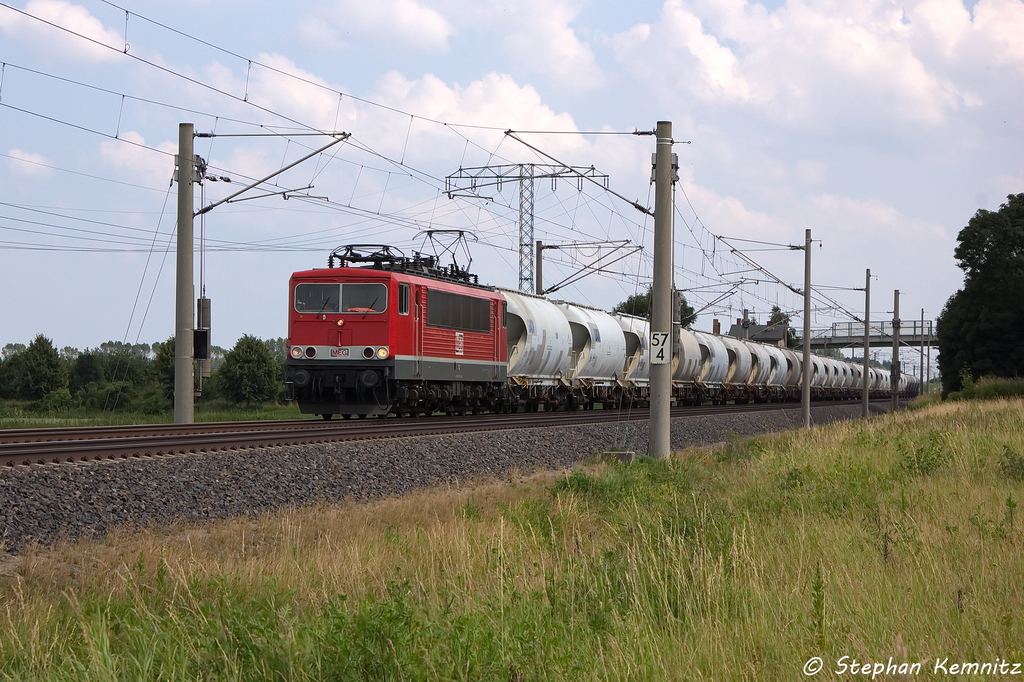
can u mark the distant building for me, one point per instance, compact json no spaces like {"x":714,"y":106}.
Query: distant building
{"x":774,"y":334}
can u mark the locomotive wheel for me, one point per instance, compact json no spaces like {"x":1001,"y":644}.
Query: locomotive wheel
{"x":327,"y":417}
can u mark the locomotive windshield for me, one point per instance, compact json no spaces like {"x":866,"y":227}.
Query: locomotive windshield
{"x":363,"y":298}
{"x":351,"y":297}
{"x":318,"y":298}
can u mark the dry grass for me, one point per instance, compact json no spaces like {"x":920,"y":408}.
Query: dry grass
{"x":898,"y":537}
{"x":318,"y":551}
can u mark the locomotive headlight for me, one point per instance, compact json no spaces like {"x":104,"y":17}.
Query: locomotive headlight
{"x":296,"y":352}
{"x":382,"y":352}
{"x":341,"y":322}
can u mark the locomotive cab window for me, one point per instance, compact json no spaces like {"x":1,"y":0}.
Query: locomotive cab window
{"x":403,"y":299}
{"x":351,"y":297}
{"x":318,"y":298}
{"x":363,"y":297}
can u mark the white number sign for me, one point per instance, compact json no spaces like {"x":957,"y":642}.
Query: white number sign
{"x":661,"y":352}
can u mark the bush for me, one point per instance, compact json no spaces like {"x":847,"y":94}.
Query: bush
{"x":249,"y":373}
{"x":988,"y":388}
{"x":1012,"y":464}
{"x":58,"y":400}
{"x":116,"y":396}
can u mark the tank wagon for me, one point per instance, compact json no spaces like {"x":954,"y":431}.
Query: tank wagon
{"x":383,"y":333}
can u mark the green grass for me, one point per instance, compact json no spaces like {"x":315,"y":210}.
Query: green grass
{"x":896,"y":536}
{"x":21,"y":415}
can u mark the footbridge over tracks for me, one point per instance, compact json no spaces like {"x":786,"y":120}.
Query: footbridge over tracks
{"x":851,"y":335}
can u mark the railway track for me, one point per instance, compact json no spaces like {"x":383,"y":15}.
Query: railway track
{"x":83,"y":444}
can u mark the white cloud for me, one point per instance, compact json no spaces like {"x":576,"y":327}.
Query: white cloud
{"x":1000,"y":24}
{"x":536,"y":35}
{"x":817,"y":65}
{"x":494,"y":100}
{"x":727,"y":215}
{"x":283,"y":88}
{"x":319,"y":32}
{"x":393,"y":25}
{"x":312,"y":102}
{"x":28,"y":163}
{"x":810,"y":171}
{"x":541,"y":38}
{"x":845,"y":225}
{"x":54,"y":41}
{"x":130,"y":153}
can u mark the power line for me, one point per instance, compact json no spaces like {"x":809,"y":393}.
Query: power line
{"x":159,"y":67}
{"x":85,"y":129}
{"x":134,"y":97}
{"x":85,"y":175}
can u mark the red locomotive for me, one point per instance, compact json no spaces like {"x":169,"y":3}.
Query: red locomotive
{"x":388,"y":333}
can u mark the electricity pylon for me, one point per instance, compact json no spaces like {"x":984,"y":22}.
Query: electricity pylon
{"x":466,"y":182}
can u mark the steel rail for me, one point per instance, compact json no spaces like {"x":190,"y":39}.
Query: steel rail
{"x":138,"y":430}
{"x":44,"y":446}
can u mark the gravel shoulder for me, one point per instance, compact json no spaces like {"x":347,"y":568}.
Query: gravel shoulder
{"x":53,"y":502}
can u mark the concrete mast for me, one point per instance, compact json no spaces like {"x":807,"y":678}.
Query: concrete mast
{"x":184,"y":378}
{"x":865,"y":384}
{"x":894,"y":372}
{"x":921,"y":338}
{"x":658,"y":445}
{"x":805,"y":398}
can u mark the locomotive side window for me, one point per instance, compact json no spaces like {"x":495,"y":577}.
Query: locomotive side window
{"x":455,"y":311}
{"x":363,"y":297}
{"x":403,"y":299}
{"x":318,"y":298}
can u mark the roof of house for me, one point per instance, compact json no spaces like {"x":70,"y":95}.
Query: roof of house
{"x":772,"y":333}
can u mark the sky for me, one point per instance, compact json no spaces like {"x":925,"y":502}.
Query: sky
{"x":881,"y":126}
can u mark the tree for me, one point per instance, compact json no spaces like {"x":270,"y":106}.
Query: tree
{"x":125,"y":361}
{"x":163,"y":367}
{"x":979,"y":327}
{"x":778,"y":317}
{"x":249,"y":373}
{"x":87,"y":368}
{"x":279,"y":351}
{"x":39,"y":370}
{"x":11,"y":349}
{"x":10,"y":359}
{"x":639,"y":305}
{"x":7,"y":377}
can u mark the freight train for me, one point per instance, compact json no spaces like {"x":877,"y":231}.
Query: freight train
{"x":383,"y":333}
